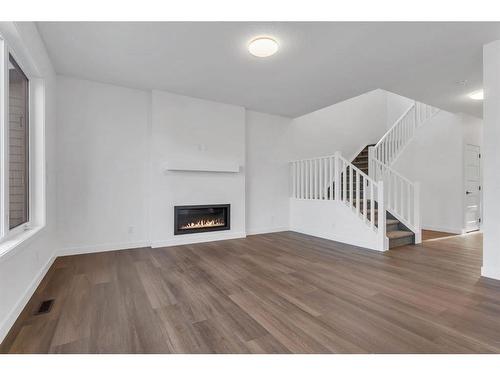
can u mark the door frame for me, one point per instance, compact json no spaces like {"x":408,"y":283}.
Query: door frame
{"x":464,"y":189}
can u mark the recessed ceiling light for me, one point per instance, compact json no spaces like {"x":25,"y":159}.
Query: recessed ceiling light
{"x":263,"y":46}
{"x":477,"y":95}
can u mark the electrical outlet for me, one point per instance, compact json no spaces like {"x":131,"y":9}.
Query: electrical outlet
{"x":130,"y":229}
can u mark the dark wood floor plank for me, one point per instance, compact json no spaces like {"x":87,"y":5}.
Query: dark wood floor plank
{"x":274,"y":293}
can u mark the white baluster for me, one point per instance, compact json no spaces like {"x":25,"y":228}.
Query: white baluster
{"x":325,"y":183}
{"x":316,"y":180}
{"x":344,"y":181}
{"x":408,"y":202}
{"x":416,"y":205}
{"x":372,"y":206}
{"x":401,"y":202}
{"x":357,"y":192}
{"x":307,"y":179}
{"x":338,"y":173}
{"x":395,"y":192}
{"x":302,"y":177}
{"x":320,"y":178}
{"x":351,"y":186}
{"x":311,"y":179}
{"x":364,"y":180}
{"x":333,"y":167}
{"x":296,"y":182}
{"x":381,"y":216}
{"x":398,"y":137}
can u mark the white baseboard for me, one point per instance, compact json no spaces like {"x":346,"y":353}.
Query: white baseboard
{"x":443,"y":229}
{"x":187,"y":239}
{"x":102,"y":247}
{"x":490,"y":272}
{"x":11,"y":318}
{"x":267,"y":230}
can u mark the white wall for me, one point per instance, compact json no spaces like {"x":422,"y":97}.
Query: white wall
{"x":23,"y":267}
{"x":435,"y":158}
{"x":472,"y":130}
{"x":347,"y":127}
{"x":103,"y":168}
{"x":195,"y":131}
{"x":491,"y":161}
{"x":267,"y":172}
{"x":332,"y":220}
{"x":396,"y":106}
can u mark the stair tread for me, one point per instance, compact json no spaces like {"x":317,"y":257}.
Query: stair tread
{"x":391,"y":221}
{"x":399,"y":234}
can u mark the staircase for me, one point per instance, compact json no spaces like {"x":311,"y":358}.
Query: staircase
{"x":397,"y":233}
{"x":387,"y":202}
{"x":402,"y":196}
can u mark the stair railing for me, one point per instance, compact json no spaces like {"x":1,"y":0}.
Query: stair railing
{"x":397,"y":137}
{"x":313,"y":178}
{"x":334,"y":178}
{"x":401,"y":196}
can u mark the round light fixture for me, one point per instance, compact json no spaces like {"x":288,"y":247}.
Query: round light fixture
{"x":477,"y":95}
{"x":263,"y":46}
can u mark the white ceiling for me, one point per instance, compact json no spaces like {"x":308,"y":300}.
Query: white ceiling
{"x":318,"y":64}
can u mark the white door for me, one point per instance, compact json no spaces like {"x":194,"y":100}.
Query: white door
{"x":472,"y":187}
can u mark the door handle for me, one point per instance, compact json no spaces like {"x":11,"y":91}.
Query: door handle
{"x":468,"y":192}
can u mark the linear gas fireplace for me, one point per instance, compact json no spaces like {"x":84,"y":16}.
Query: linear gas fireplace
{"x":201,"y":218}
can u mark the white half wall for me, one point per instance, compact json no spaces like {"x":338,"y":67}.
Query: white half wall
{"x":332,"y":220}
{"x":186,"y":129}
{"x":267,"y":172}
{"x":103,"y":170}
{"x":491,"y":161}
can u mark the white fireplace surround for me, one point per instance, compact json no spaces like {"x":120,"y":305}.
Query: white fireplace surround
{"x":198,"y":147}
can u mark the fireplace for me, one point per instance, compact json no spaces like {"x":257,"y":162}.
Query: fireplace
{"x":201,"y":218}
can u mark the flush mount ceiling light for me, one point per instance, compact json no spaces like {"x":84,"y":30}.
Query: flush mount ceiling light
{"x":477,"y":95}
{"x":263,"y":46}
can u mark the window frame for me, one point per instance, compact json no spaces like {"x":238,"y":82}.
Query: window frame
{"x":27,"y":224}
{"x":11,"y":238}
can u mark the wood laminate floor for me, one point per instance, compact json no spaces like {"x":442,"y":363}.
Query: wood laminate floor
{"x":273,"y":293}
{"x":433,"y":235}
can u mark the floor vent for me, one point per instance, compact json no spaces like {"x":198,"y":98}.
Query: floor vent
{"x":45,"y":307}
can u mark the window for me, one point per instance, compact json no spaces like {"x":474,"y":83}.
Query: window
{"x":22,"y":147}
{"x":22,"y":144}
{"x":18,"y":146}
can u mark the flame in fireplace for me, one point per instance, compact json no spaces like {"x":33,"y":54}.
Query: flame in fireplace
{"x":204,"y":224}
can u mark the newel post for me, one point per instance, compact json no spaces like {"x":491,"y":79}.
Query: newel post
{"x":416,"y":208}
{"x":381,"y":217}
{"x":371,"y":166}
{"x":337,"y":180}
